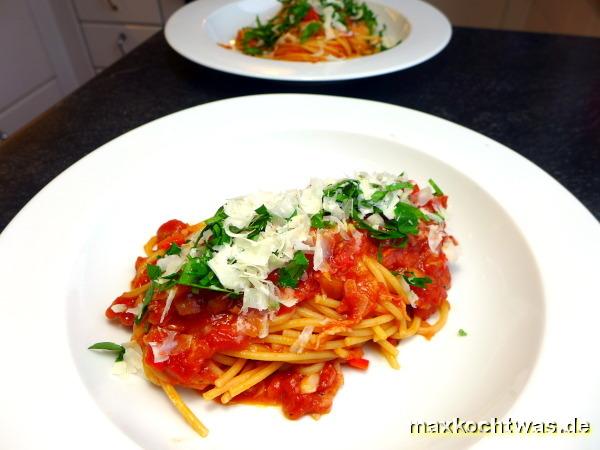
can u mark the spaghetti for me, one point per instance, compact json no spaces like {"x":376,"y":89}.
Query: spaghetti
{"x":265,"y":301}
{"x":314,"y":31}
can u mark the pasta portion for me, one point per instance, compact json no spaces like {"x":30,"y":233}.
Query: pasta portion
{"x":314,"y":31}
{"x":267,"y":300}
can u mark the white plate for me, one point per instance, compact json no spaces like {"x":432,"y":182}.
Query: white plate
{"x":522,"y":289}
{"x":195,"y":31}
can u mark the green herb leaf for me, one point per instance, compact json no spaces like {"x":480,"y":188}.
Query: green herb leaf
{"x":174,"y":249}
{"x":420,"y":282}
{"x":343,"y":190}
{"x":407,"y":218}
{"x":387,"y":231}
{"x":153,"y":271}
{"x":215,"y":226}
{"x":297,"y":12}
{"x":257,"y":225}
{"x":462,"y":333}
{"x":436,"y":189}
{"x":111,"y":347}
{"x":290,"y":275}
{"x":309,"y":30}
{"x":197,"y":273}
{"x":317,"y":221}
{"x":147,"y":299}
{"x":380,"y":194}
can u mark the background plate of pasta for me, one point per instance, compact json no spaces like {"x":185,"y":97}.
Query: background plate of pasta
{"x":308,"y":40}
{"x":327,"y":282}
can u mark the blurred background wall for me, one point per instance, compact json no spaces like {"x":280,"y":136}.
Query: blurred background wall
{"x":574,"y":17}
{"x":50,"y":47}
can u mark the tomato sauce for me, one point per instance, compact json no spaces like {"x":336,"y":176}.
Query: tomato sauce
{"x":418,"y":258}
{"x":204,"y":324}
{"x":284,"y":388}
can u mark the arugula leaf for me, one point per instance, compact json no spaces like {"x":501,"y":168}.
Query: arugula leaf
{"x":317,"y":221}
{"x":290,"y":275}
{"x":153,"y":271}
{"x":147,"y":299}
{"x":197,"y":273}
{"x":406,"y":218}
{"x":297,"y":12}
{"x":343,"y":190}
{"x":111,"y":347}
{"x":436,"y":189}
{"x":215,"y":226}
{"x":252,"y":51}
{"x":420,"y":282}
{"x":462,"y":332}
{"x":380,"y":194}
{"x":174,"y":249}
{"x":369,"y":18}
{"x":257,"y":225}
{"x":309,"y":30}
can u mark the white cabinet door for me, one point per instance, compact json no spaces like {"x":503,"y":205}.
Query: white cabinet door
{"x":24,"y":64}
{"x":42,"y":58}
{"x":132,"y":11}
{"x":107,"y":43}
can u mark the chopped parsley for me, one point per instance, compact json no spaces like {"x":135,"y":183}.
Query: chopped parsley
{"x":462,"y":333}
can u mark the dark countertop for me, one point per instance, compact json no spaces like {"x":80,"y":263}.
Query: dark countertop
{"x":537,"y":94}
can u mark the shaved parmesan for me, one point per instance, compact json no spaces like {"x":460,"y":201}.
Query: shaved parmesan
{"x":322,"y":253}
{"x":118,"y":308}
{"x":302,"y":340}
{"x":451,"y":250}
{"x":424,"y":196}
{"x":410,"y":295}
{"x":168,"y":302}
{"x":170,"y":264}
{"x":135,"y":310}
{"x":375,"y":220}
{"x":162,"y":350}
{"x":132,"y":360}
{"x":435,"y":236}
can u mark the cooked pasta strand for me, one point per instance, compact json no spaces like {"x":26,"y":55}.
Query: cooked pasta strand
{"x":187,"y":414}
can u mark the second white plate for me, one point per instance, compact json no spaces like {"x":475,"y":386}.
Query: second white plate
{"x":196,"y":30}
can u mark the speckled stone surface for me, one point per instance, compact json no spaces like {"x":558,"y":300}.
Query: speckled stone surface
{"x":537,"y":94}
